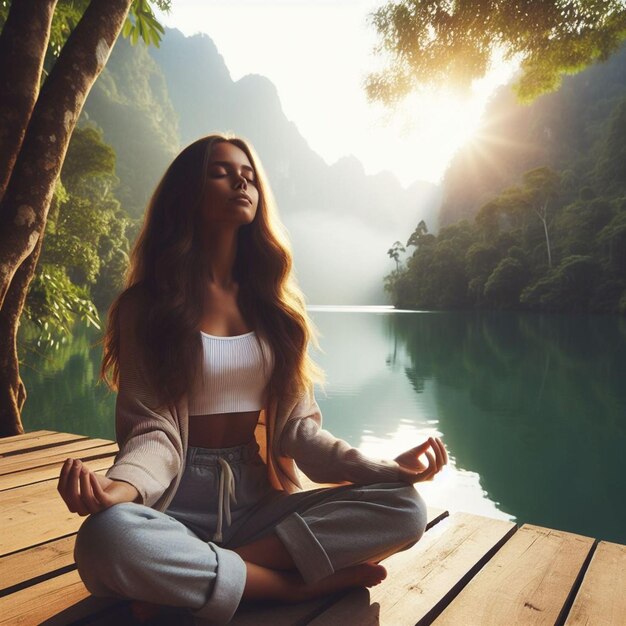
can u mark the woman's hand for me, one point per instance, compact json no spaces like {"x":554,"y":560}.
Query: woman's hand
{"x":86,"y":492}
{"x":412,"y":470}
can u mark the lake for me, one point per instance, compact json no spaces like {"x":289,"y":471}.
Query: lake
{"x":531,"y":408}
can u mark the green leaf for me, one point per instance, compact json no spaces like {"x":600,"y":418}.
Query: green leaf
{"x":128,"y":26}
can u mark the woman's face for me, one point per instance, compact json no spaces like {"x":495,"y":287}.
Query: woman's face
{"x":229,"y":175}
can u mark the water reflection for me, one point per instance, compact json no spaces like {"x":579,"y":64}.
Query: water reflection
{"x":63,"y":393}
{"x":531,"y":408}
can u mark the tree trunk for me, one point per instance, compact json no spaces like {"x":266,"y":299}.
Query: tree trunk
{"x":545,"y":228}
{"x":12,"y":390}
{"x":23,"y":45}
{"x":24,"y":206}
{"x":543,"y":216}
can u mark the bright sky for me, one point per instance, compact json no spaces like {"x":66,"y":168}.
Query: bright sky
{"x":317,"y":53}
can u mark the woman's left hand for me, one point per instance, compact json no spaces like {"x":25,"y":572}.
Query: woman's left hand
{"x":412,"y":470}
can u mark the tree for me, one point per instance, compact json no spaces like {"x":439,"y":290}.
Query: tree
{"x":567,"y":287}
{"x":542,"y":187}
{"x":504,"y":285}
{"x":420,"y":235}
{"x":443,"y":42}
{"x":394,"y":252}
{"x":38,"y":113}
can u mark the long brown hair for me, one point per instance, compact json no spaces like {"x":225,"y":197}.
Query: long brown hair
{"x":167,"y":290}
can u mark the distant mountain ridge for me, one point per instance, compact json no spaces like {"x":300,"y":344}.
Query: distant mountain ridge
{"x":150,"y":102}
{"x":562,"y":130}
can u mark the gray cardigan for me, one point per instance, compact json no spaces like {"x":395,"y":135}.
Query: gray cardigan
{"x":153,"y":443}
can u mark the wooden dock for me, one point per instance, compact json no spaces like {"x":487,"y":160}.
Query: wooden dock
{"x":466,"y":570}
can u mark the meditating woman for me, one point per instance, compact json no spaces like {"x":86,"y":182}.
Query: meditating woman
{"x":207,"y":349}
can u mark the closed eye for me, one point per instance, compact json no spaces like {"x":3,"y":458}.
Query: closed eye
{"x":221,"y":175}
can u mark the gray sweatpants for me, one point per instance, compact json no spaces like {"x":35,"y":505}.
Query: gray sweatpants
{"x":178,"y":557}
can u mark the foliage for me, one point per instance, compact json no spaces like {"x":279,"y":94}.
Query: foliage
{"x":454,"y":43}
{"x":85,"y":252}
{"x":505,"y":283}
{"x":565,"y":226}
{"x":140,"y":23}
{"x":502,"y":260}
{"x":53,"y":304}
{"x":566,"y":288}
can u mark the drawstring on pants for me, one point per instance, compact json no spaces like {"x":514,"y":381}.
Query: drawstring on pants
{"x":226,"y":494}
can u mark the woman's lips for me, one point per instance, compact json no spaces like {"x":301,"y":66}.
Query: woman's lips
{"x":241,"y":199}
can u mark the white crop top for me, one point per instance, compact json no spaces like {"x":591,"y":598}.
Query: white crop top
{"x":233,"y":378}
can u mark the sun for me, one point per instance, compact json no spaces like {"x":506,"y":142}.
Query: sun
{"x":432,"y":123}
{"x":429,"y":127}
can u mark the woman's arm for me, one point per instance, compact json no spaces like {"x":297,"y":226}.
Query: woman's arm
{"x":323,"y":457}
{"x":150,"y":446}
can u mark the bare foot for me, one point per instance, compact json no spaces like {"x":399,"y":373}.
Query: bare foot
{"x":363,"y":575}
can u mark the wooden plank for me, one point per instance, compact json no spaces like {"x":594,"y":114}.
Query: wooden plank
{"x":422,"y":580}
{"x":57,"y":602}
{"x":26,"y":444}
{"x":527,"y":582}
{"x":37,"y":458}
{"x":92,"y":458}
{"x":25,"y":436}
{"x":601,"y":600}
{"x":33,"y":563}
{"x":35,"y":514}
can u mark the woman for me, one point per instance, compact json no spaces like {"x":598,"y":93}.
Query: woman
{"x":208,"y":339}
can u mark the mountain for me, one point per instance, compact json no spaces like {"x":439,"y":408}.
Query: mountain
{"x":131,"y":103}
{"x":151,"y":102}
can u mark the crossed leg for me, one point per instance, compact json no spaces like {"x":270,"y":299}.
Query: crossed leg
{"x":286,"y":533}
{"x":304,"y":545}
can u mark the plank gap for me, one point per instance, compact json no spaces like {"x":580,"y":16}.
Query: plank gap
{"x":567,"y":605}
{"x":37,"y":579}
{"x":458,"y":587}
{"x":437,"y":517}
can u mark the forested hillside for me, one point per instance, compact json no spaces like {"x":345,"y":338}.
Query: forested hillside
{"x":534,"y":210}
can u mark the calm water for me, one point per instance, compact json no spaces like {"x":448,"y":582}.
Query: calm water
{"x":531,"y":408}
